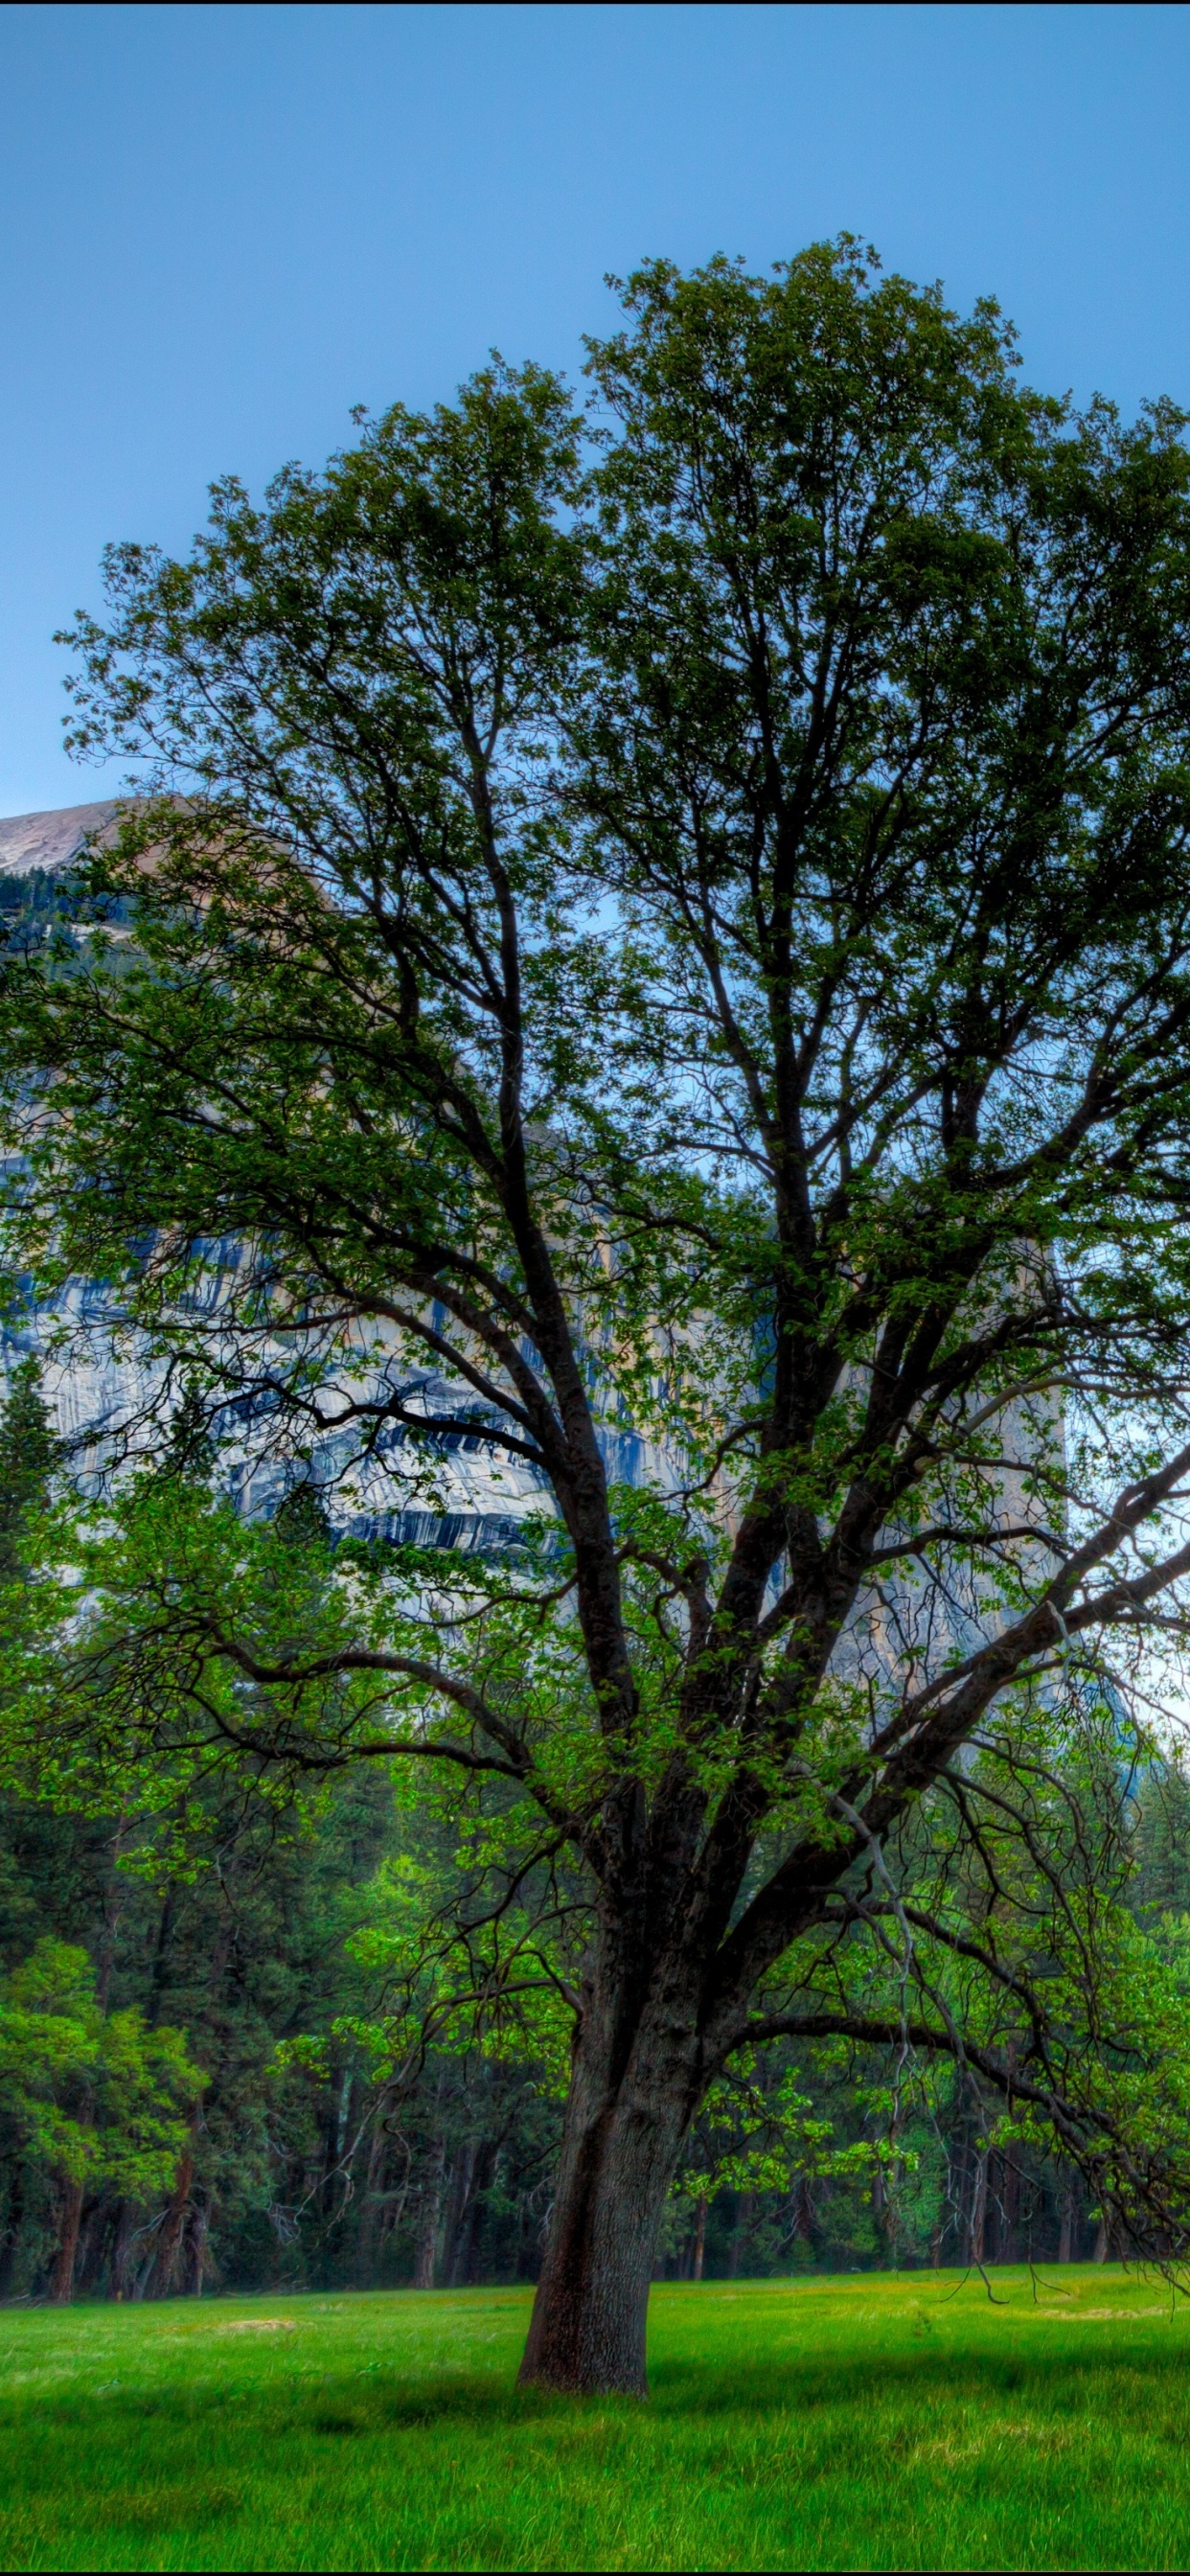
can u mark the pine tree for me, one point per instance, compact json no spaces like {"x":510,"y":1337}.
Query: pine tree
{"x":29,"y":1453}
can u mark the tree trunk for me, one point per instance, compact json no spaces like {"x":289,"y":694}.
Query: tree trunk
{"x":1066,"y":2209}
{"x":805,"y":2222}
{"x":121,"y":2250}
{"x":745,"y":2209}
{"x":700,"y":2237}
{"x":88,"y":2259}
{"x":428,"y":2217}
{"x":194,"y":2260}
{"x":460,"y":2203}
{"x":370,"y":2212}
{"x":62,"y":2276}
{"x":1010,"y":2211}
{"x":979,"y":2209}
{"x":10,"y":2247}
{"x":619,"y":2152}
{"x":161,"y":2278}
{"x":464,"y":2259}
{"x":883,"y":2214}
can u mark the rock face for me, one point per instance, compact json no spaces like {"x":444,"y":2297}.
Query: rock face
{"x":450,"y":1488}
{"x":447,"y":1487}
{"x":442,"y":1487}
{"x":49,"y":841}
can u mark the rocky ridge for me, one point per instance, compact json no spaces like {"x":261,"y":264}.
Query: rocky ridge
{"x":50,"y":840}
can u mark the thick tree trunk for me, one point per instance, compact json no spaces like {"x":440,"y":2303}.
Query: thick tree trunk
{"x":619,"y":2152}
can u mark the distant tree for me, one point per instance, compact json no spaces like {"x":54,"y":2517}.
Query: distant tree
{"x":29,"y":1452}
{"x":1162,"y":1842}
{"x":91,"y":2098}
{"x":689,"y":938}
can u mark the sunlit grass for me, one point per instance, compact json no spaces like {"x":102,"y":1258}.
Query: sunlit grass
{"x":868,"y":2422}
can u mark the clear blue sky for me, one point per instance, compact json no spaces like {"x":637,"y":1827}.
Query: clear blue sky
{"x":221,"y":227}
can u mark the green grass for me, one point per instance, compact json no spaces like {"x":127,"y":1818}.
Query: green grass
{"x":870,"y":2421}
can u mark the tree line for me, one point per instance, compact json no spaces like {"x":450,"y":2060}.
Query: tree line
{"x":232,"y":2001}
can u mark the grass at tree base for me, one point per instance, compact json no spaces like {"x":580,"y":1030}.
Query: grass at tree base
{"x":874,"y":2421}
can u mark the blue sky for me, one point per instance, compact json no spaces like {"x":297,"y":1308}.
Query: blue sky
{"x":222,"y":227}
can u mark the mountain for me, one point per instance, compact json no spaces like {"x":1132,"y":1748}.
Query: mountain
{"x":50,"y":840}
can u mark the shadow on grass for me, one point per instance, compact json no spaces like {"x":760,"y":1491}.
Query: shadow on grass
{"x":338,"y":2410}
{"x":340,"y":2413}
{"x":699,"y":2387}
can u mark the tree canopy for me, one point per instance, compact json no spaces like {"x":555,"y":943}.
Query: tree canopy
{"x":662,"y":933}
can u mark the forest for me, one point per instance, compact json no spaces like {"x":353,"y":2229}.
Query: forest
{"x":238,"y":2000}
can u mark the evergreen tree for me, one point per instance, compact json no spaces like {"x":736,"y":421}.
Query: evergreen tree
{"x":29,"y":1453}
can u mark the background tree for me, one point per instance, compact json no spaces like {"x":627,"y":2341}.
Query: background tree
{"x":690,"y":942}
{"x":29,"y":1452}
{"x":86,"y":2098}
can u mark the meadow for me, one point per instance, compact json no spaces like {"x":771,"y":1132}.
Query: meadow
{"x":872,"y":2421}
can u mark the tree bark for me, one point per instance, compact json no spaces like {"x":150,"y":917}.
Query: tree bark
{"x":700,"y":2237}
{"x":619,"y":2152}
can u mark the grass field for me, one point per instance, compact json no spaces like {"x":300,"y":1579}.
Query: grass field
{"x":872,"y":2421}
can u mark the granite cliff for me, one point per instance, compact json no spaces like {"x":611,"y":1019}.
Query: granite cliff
{"x":452,"y":1488}
{"x":49,"y":841}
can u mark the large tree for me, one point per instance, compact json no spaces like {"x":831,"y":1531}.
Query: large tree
{"x":677,"y":920}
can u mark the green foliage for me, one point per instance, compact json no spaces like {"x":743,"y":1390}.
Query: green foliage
{"x":29,"y":1453}
{"x":661,"y":935}
{"x":93,"y":2097}
{"x":769,"y":2140}
{"x":444,"y":2007}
